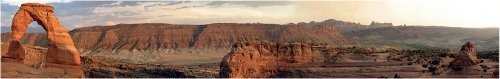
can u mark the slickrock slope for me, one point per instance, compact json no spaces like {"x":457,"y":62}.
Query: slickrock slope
{"x":13,"y":69}
{"x":35,"y":66}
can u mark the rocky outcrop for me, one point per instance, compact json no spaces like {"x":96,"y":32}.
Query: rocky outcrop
{"x":34,"y":65}
{"x":61,"y":48}
{"x":264,"y":59}
{"x":465,"y":58}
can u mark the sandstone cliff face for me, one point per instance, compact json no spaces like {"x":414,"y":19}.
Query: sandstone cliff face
{"x":135,"y":36}
{"x":264,"y":59}
{"x":225,"y":34}
{"x":166,"y":36}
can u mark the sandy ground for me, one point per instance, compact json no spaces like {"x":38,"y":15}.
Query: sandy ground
{"x":13,"y":69}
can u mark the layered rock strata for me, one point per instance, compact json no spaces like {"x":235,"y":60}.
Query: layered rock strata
{"x":150,"y":36}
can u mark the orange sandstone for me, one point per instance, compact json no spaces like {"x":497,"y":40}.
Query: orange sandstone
{"x":61,"y":48}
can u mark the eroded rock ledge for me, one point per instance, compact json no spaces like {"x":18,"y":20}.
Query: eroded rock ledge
{"x":263,"y":58}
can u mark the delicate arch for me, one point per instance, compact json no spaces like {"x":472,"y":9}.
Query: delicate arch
{"x":61,"y":48}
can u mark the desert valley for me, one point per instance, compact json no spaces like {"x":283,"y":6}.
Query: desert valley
{"x":326,"y":49}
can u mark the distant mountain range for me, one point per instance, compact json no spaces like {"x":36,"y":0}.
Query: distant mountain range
{"x":422,"y":37}
{"x":345,"y":26}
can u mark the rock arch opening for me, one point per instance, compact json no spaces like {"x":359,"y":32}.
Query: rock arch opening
{"x":61,"y":49}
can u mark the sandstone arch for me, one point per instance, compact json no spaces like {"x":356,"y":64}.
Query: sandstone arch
{"x":61,"y":49}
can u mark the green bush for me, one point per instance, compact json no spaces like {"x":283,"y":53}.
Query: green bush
{"x":424,"y":65}
{"x":410,"y":63}
{"x":435,"y":61}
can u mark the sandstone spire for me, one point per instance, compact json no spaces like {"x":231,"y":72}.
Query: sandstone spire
{"x":465,"y":58}
{"x":61,"y":48}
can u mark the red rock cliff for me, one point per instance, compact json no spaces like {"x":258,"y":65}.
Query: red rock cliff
{"x":168,"y":36}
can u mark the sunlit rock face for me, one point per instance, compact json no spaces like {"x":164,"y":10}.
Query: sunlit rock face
{"x":264,"y":59}
{"x":60,"y":60}
{"x":61,"y":48}
{"x":465,"y":58}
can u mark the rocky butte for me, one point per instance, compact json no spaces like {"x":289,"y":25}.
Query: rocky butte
{"x":60,"y":55}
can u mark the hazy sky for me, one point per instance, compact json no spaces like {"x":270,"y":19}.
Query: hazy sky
{"x":75,"y":14}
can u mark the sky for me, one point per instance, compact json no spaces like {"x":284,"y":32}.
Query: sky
{"x":453,"y":13}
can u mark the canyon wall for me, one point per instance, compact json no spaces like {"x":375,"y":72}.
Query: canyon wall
{"x":168,"y":36}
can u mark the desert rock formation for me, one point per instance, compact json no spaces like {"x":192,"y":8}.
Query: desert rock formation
{"x":465,"y":58}
{"x":33,"y":65}
{"x":61,"y":48}
{"x":257,"y":59}
{"x":61,"y":59}
{"x":151,"y":36}
{"x":263,"y":58}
